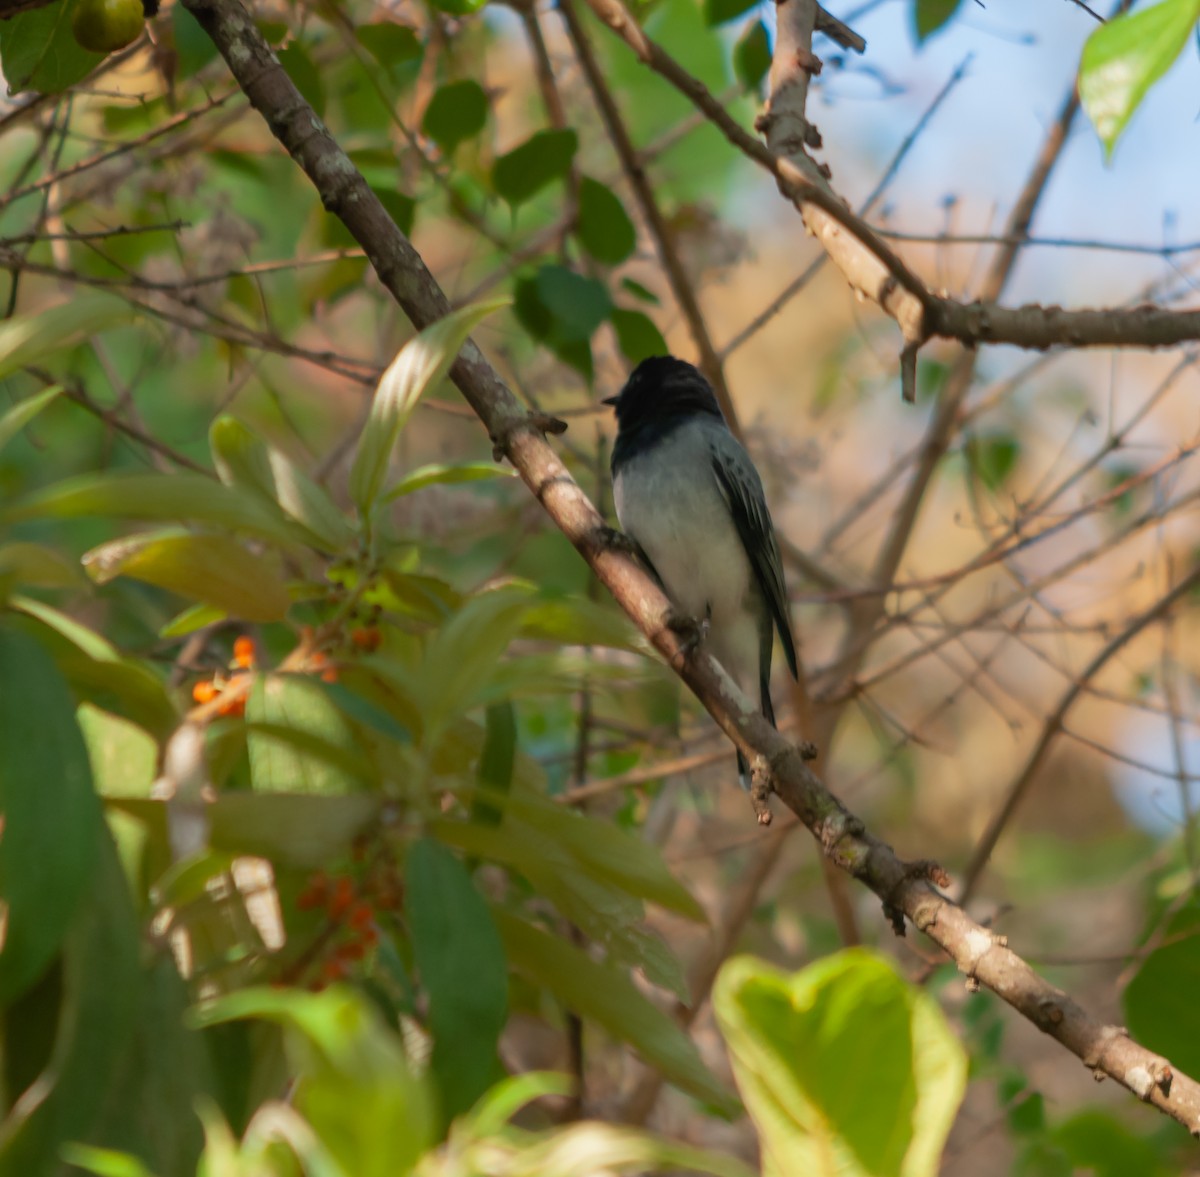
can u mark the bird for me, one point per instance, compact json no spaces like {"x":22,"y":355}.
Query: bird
{"x":691,"y":502}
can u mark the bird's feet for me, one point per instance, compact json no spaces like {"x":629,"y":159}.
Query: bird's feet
{"x":617,"y":541}
{"x":691,"y":631}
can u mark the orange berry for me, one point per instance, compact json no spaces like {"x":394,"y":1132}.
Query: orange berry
{"x":352,"y":950}
{"x":342,"y":897}
{"x":333,"y":970}
{"x":205,"y":691}
{"x":234,"y":707}
{"x":330,"y":675}
{"x":243,"y":652}
{"x":318,"y":659}
{"x":361,"y":915}
{"x":366,"y":638}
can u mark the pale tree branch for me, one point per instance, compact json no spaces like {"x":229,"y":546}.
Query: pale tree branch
{"x":904,"y":888}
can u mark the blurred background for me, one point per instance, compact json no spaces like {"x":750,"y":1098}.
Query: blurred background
{"x":1017,"y":539}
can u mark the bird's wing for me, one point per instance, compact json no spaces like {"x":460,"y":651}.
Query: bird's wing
{"x":742,"y":490}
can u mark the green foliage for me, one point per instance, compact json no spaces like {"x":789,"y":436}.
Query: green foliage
{"x":752,"y":55}
{"x":802,"y":1045}
{"x":543,"y":158}
{"x":605,"y":229}
{"x":456,"y":112}
{"x":461,"y":964}
{"x":38,"y":50}
{"x":929,"y":16}
{"x":1125,"y":57}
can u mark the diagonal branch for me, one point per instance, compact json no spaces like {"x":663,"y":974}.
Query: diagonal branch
{"x":904,"y":888}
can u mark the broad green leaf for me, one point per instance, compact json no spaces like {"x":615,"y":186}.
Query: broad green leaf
{"x":463,"y":971}
{"x":495,"y":772}
{"x":439,"y":474}
{"x":1125,"y":56}
{"x":931,"y":15}
{"x":194,"y":48}
{"x":1099,"y":1144}
{"x":752,"y":55}
{"x":464,"y":653}
{"x":103,"y":1162}
{"x":717,"y":12}
{"x":92,"y":994}
{"x":1157,"y":1009}
{"x":192,"y":618}
{"x":300,"y":68}
{"x":528,"y":168}
{"x":52,"y":818}
{"x":244,"y":461}
{"x":604,"y":228}
{"x":640,"y":292}
{"x":39,"y":51}
{"x":459,"y":7}
{"x":321,"y":753}
{"x":213,"y":569}
{"x":542,"y":322}
{"x":298,"y":830}
{"x":355,"y":1085}
{"x":390,"y":44}
{"x":123,"y":756}
{"x":606,"y":995}
{"x":576,"y":621}
{"x":13,"y":420}
{"x":179,"y":497}
{"x":354,"y":704}
{"x":25,"y":564}
{"x":97,"y":673}
{"x":800,"y":1046}
{"x":637,"y":335}
{"x":420,"y":364}
{"x":456,"y":112}
{"x":579,"y":304}
{"x":30,"y":339}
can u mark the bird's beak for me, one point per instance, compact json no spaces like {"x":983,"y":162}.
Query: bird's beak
{"x":611,"y":400}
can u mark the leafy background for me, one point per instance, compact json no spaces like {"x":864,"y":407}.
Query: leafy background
{"x":366,"y":882}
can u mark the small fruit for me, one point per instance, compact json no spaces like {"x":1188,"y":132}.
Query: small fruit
{"x":366,"y":638}
{"x":104,"y":26}
{"x":243,"y":652}
{"x":205,"y":691}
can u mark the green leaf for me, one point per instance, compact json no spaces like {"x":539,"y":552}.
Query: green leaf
{"x":420,"y":364}
{"x":304,"y":73}
{"x":931,"y":15}
{"x":104,"y":1162}
{"x":91,"y":996}
{"x":527,"y":169}
{"x":299,"y":741}
{"x":192,"y":618}
{"x":752,"y":55}
{"x":52,"y":818}
{"x":194,"y":47}
{"x":495,"y":772}
{"x":175,"y":497}
{"x":717,"y":12}
{"x":992,"y":459}
{"x":400,"y":207}
{"x":30,"y":339}
{"x":438,"y":474}
{"x":16,"y":418}
{"x":39,"y":51}
{"x":800,"y":1045}
{"x":456,"y":112}
{"x":459,"y":7}
{"x":391,"y":44}
{"x":355,"y":1086}
{"x":97,"y":672}
{"x":245,"y":462}
{"x":604,"y":228}
{"x":579,"y":305}
{"x":1156,"y":1002}
{"x":1102,"y":1146}
{"x":24,"y":564}
{"x":606,"y":995}
{"x":464,"y":653}
{"x":463,"y":970}
{"x":637,"y":336}
{"x":123,"y":756}
{"x":640,"y":292}
{"x":213,"y":569}
{"x":297,"y":830}
{"x":1125,"y":56}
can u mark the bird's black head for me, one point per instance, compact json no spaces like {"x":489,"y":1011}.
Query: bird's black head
{"x":661,"y":392}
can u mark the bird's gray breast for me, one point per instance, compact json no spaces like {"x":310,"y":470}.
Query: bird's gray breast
{"x":669,"y":501}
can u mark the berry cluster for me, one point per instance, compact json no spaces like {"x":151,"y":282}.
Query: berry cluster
{"x":352,"y":913}
{"x":234,"y":703}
